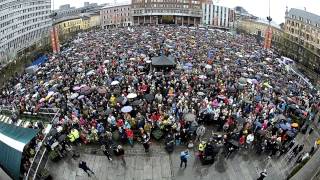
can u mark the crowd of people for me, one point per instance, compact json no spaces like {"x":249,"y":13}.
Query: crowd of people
{"x":107,"y":88}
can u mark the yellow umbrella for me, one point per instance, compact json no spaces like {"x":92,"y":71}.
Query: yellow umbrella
{"x":294,"y":125}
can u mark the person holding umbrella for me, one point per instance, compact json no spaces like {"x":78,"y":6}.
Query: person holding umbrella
{"x":145,"y":142}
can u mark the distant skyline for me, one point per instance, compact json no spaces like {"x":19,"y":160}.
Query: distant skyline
{"x":258,"y":8}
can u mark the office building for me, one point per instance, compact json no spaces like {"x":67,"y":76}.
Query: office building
{"x":180,"y":12}
{"x":217,"y":16}
{"x":116,"y":16}
{"x":22,"y":23}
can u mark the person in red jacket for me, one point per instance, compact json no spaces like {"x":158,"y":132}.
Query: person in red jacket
{"x":129,"y":133}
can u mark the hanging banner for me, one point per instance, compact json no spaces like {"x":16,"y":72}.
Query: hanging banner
{"x":57,"y":39}
{"x":53,"y":41}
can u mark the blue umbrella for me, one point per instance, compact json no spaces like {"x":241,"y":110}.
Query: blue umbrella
{"x":188,"y":64}
{"x":126,"y":109}
{"x":284,"y":126}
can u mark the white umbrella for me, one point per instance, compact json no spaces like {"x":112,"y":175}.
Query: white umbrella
{"x":106,"y":61}
{"x":126,"y":109}
{"x":200,"y":93}
{"x":203,"y":77}
{"x":132,"y":95}
{"x":148,"y":61}
{"x":81,"y":97}
{"x":76,"y":88}
{"x":114,"y":83}
{"x":90,"y":73}
{"x":50,"y":93}
{"x":74,"y":95}
{"x":208,"y":66}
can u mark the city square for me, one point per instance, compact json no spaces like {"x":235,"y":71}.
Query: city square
{"x":160,"y":90}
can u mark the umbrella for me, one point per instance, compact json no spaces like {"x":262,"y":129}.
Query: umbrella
{"x":126,"y":109}
{"x":157,"y":134}
{"x":136,"y":103}
{"x":189,"y":117}
{"x":295,"y":125}
{"x":102,"y":90}
{"x":90,"y":73}
{"x":74,"y":95}
{"x":132,"y":95}
{"x":222,"y":97}
{"x":285,"y":126}
{"x":234,"y":142}
{"x":201,"y":93}
{"x":62,"y":137}
{"x":188,"y":64}
{"x":149,"y":97}
{"x":80,"y":97}
{"x":120,"y":99}
{"x":108,"y":111}
{"x":42,"y":100}
{"x":203,"y":77}
{"x":208,"y":66}
{"x":242,"y":81}
{"x":114,"y":83}
{"x":65,"y":89}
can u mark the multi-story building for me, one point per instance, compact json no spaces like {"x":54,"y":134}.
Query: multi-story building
{"x":258,"y":29}
{"x":74,"y":24}
{"x":302,"y":38}
{"x":217,"y":16}
{"x":22,"y":23}
{"x":116,"y":16}
{"x":182,"y":12}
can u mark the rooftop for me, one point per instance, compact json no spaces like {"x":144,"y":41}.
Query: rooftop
{"x":314,"y":18}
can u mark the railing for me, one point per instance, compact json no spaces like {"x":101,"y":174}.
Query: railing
{"x":40,"y":156}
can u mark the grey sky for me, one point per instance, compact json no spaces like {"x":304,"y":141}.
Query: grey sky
{"x":255,"y":7}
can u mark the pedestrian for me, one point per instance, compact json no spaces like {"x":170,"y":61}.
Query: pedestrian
{"x":119,"y":151}
{"x":263,"y":174}
{"x":129,"y":133}
{"x":184,"y":155}
{"x":200,"y":132}
{"x":83,"y":166}
{"x":106,"y":151}
{"x":145,"y":142}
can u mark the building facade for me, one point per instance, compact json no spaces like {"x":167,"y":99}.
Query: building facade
{"x":68,"y":26}
{"x":22,"y":23}
{"x":116,"y":16}
{"x":217,"y":16}
{"x":258,"y":29}
{"x":181,"y":12}
{"x":302,"y":38}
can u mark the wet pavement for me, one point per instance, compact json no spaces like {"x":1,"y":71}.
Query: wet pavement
{"x":159,"y":165}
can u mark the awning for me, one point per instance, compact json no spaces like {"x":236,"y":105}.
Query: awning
{"x":12,"y":141}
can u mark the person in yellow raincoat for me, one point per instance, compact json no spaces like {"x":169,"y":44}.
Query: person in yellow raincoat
{"x":73,"y":135}
{"x":113,"y":100}
{"x":201,"y":148}
{"x":171,"y":92}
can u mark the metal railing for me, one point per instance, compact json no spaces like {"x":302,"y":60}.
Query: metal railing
{"x":40,"y":156}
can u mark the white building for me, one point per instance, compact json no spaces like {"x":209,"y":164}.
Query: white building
{"x":116,"y":16}
{"x":217,"y":16}
{"x":22,"y":23}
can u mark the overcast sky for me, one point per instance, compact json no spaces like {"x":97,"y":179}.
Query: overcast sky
{"x":256,"y":7}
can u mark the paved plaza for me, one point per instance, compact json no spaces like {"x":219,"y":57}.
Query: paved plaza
{"x":159,"y":165}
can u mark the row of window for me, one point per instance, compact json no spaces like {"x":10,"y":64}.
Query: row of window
{"x":30,"y":15}
{"x":12,"y":5}
{"x":308,"y":21}
{"x":116,"y":10}
{"x":25,"y":39}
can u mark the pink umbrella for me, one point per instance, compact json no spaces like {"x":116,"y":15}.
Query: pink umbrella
{"x":76,"y":88}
